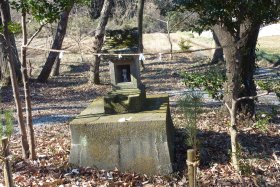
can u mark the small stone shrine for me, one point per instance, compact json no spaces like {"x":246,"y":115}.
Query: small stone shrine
{"x":128,"y":93}
{"x":126,"y":129}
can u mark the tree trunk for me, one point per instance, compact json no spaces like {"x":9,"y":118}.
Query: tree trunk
{"x":140,"y":28}
{"x":232,"y":88}
{"x":240,"y":63}
{"x":57,"y":44}
{"x":16,"y":62}
{"x":4,"y":73}
{"x":233,"y":136}
{"x":218,"y":54}
{"x":245,"y":43}
{"x":94,"y":68}
{"x":8,"y":177}
{"x":24,"y":142}
{"x":248,"y":58}
{"x":232,"y":85}
{"x":169,"y":40}
{"x":99,"y":40}
{"x":26,"y":86}
{"x":232,"y":57}
{"x":55,"y":71}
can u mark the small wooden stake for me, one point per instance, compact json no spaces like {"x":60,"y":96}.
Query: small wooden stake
{"x":191,"y":167}
{"x":7,"y":168}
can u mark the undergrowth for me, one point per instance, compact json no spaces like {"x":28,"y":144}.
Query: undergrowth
{"x":212,"y":81}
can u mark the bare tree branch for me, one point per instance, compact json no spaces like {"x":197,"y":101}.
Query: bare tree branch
{"x":229,"y":109}
{"x":182,"y":20}
{"x":252,"y":97}
{"x":156,"y":18}
{"x":35,"y":34}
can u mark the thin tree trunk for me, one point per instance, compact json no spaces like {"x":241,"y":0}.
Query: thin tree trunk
{"x":99,"y":40}
{"x":57,"y":44}
{"x":7,"y":167}
{"x":233,"y":136}
{"x":24,"y":142}
{"x":4,"y":73}
{"x":233,"y":85}
{"x":29,"y":69}
{"x":140,"y":28}
{"x":169,"y":40}
{"x":94,"y":68}
{"x":16,"y":61}
{"x":218,"y":54}
{"x":26,"y":86}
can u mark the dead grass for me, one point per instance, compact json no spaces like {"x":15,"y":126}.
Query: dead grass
{"x":270,"y":44}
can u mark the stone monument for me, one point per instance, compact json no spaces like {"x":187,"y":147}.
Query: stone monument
{"x":128,"y":93}
{"x":126,"y":129}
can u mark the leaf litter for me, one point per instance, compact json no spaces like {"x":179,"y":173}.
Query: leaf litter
{"x":70,"y":93}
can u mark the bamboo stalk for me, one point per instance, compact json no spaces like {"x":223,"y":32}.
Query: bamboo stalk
{"x":191,"y":167}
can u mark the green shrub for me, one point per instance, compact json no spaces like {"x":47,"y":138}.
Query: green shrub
{"x":6,"y":123}
{"x":191,"y":106}
{"x":13,"y":27}
{"x":262,"y":121}
{"x":271,"y":58}
{"x":211,"y":81}
{"x":273,"y":86}
{"x":245,"y":167}
{"x":118,"y":39}
{"x":184,"y":44}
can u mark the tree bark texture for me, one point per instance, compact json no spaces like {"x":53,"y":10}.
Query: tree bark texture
{"x":239,"y":51}
{"x":248,"y":58}
{"x":233,"y":61}
{"x":169,"y":40}
{"x":218,"y":53}
{"x":57,"y":44}
{"x":28,"y":107}
{"x":4,"y":72}
{"x":24,"y":141}
{"x":8,"y":177}
{"x":140,"y":12}
{"x":233,"y":83}
{"x":233,"y":135}
{"x":241,"y":48}
{"x":16,"y":62}
{"x":96,"y":8}
{"x":99,"y":40}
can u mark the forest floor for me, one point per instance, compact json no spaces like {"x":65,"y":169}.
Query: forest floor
{"x":65,"y":96}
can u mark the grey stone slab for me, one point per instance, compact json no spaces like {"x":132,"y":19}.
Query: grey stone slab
{"x":140,"y":142}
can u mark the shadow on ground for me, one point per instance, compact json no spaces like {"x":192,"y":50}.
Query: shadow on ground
{"x":215,"y":147}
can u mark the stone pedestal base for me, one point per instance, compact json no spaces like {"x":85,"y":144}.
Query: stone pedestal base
{"x":140,"y":142}
{"x":124,"y":101}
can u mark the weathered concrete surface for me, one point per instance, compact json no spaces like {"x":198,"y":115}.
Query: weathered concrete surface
{"x":133,"y":63}
{"x":140,"y":142}
{"x":124,"y":101}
